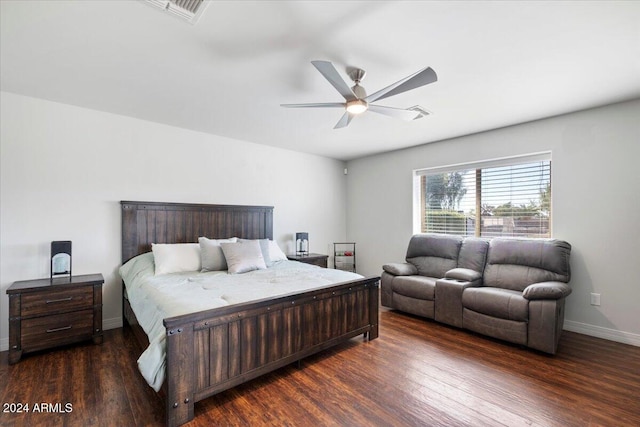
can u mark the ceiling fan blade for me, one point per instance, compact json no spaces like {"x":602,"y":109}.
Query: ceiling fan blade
{"x":330,"y":73}
{"x":421,"y":78}
{"x":397,"y":113}
{"x":316,"y":105}
{"x":344,"y":120}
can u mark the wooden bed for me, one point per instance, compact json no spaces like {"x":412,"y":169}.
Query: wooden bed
{"x":214,"y":350}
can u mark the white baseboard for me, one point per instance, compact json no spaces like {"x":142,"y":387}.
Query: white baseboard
{"x":600,"y":332}
{"x":569,"y":325}
{"x":112,"y":323}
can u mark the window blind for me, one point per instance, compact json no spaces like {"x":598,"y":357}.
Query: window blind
{"x":488,"y":200}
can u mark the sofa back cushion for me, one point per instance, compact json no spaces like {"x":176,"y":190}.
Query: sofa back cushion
{"x":473,"y":254}
{"x":517,"y":263}
{"x":434,"y":254}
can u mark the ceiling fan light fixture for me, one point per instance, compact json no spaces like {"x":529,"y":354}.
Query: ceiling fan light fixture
{"x":357,"y":100}
{"x":357,"y":106}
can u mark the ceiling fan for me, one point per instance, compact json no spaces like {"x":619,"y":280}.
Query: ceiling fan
{"x":357,"y":100}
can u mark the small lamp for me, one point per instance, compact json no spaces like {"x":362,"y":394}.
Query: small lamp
{"x":302,"y":243}
{"x":60,"y":258}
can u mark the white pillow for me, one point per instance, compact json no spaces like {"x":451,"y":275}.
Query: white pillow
{"x":275,"y":253}
{"x":211,"y":253}
{"x":243,"y":256}
{"x":174,"y":258}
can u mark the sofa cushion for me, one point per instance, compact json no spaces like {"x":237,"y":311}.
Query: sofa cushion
{"x":508,"y":330}
{"x":517,"y":263}
{"x":419,"y":307}
{"x":473,"y":254}
{"x":497,"y":302}
{"x":418,"y":287}
{"x":434,"y":254}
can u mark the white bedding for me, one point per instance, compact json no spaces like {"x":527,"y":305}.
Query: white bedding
{"x":154,"y":298}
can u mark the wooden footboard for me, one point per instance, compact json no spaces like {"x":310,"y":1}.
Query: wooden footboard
{"x":211,"y":351}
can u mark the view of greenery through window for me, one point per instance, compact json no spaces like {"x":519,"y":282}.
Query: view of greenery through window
{"x":511,"y":201}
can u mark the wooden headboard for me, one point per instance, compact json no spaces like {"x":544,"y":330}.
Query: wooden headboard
{"x":144,"y":223}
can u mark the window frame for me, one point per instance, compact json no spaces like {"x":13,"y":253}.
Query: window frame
{"x":419,"y":210}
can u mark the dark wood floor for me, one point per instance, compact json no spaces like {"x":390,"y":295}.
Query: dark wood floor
{"x":417,"y":373}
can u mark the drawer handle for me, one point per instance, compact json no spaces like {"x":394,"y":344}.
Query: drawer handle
{"x":64,"y":328}
{"x":50,"y":301}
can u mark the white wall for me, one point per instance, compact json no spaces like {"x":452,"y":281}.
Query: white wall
{"x":596,"y":205}
{"x":65,"y":169}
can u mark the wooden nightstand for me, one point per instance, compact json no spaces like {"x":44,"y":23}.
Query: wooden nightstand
{"x":45,"y":313}
{"x":315,"y":259}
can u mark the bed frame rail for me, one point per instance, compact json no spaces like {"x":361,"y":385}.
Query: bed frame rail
{"x":219,"y":349}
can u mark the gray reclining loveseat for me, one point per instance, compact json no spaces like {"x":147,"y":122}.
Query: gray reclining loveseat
{"x":508,"y":288}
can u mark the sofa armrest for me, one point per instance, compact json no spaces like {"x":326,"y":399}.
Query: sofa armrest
{"x":465,"y":274}
{"x":400,"y":269}
{"x":546,"y":290}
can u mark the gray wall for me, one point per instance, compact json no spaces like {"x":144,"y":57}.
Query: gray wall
{"x":596,"y":205}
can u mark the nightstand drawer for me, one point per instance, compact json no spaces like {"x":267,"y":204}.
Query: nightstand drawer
{"x":320,"y":262}
{"x":313,"y":259}
{"x":48,"y":331}
{"x":55,"y":301}
{"x":46,"y":313}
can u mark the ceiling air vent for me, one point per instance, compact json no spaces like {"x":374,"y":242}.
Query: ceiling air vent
{"x":187,"y":10}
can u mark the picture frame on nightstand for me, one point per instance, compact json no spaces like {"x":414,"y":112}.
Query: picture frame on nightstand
{"x":60,"y":258}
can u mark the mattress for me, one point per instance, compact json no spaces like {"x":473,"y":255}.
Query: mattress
{"x":154,"y":298}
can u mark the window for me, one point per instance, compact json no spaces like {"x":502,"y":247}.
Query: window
{"x":506,"y":197}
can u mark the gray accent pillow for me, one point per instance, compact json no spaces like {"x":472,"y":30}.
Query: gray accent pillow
{"x":243,"y":256}
{"x":264,"y":248}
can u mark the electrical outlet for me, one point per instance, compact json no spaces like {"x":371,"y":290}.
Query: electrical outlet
{"x":595,"y":299}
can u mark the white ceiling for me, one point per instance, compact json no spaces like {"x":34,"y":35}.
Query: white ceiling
{"x":498,"y":64}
